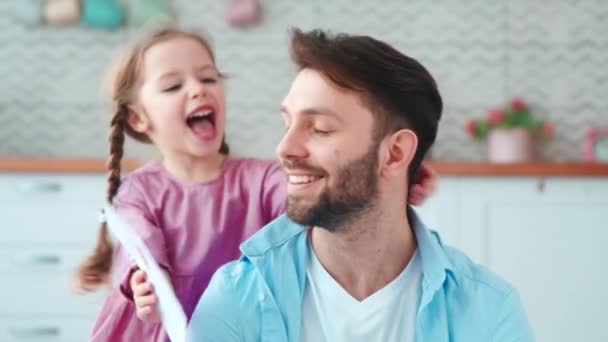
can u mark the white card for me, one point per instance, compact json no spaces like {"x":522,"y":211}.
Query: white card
{"x":172,"y":314}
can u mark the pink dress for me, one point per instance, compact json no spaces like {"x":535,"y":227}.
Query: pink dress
{"x":191,"y":229}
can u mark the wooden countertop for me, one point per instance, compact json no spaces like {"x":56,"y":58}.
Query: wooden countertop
{"x":444,"y":168}
{"x":60,"y":165}
{"x":543,"y":169}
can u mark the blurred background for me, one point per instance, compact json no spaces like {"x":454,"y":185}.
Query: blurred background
{"x":551,"y":53}
{"x":522,"y":150}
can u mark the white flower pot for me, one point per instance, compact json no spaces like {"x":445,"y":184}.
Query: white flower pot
{"x":510,"y":145}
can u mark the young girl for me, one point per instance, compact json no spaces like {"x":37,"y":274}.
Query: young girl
{"x":195,"y":206}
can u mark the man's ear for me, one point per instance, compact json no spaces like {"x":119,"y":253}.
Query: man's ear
{"x":400,"y":148}
{"x":138,"y":122}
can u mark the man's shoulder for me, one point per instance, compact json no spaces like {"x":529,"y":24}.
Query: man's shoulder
{"x":478,"y":296}
{"x":473,"y":296}
{"x":472,"y":276}
{"x":482,"y":298}
{"x":275,"y":251}
{"x":467,"y":276}
{"x":234,"y":275}
{"x":233,"y":290}
{"x":228,"y":309}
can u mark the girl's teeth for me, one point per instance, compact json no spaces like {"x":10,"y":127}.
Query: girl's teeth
{"x":200,"y":114}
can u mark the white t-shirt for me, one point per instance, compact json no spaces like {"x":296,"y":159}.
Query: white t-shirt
{"x":330,"y":314}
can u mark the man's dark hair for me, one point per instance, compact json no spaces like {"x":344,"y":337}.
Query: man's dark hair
{"x":397,"y":88}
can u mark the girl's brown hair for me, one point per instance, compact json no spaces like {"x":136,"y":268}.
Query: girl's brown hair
{"x":94,"y":271}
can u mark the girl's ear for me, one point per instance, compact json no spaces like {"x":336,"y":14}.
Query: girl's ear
{"x":138,"y":122}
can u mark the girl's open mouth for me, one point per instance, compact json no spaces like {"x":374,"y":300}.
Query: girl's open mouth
{"x":202,"y":123}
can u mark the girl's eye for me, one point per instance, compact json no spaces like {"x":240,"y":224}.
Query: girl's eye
{"x":209,"y":80}
{"x":172,"y":88}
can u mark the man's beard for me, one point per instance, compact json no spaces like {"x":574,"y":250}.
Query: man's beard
{"x":353,"y":195}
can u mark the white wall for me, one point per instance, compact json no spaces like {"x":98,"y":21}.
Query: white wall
{"x":553,"y":53}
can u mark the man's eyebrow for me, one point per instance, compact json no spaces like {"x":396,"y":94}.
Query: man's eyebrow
{"x":318,"y":111}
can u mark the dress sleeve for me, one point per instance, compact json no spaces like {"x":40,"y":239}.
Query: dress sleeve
{"x":131,"y":205}
{"x":274,"y":192}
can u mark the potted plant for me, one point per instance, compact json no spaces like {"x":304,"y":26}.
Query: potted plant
{"x":511,"y":131}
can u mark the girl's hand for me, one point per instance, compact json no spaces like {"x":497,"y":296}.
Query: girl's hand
{"x":424,"y":185}
{"x":144,"y":298}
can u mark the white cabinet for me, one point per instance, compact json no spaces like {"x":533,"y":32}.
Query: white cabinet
{"x":48,"y":225}
{"x":45,"y":329}
{"x":548,"y":237}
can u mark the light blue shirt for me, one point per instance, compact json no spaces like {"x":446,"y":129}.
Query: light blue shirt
{"x":259,"y":297}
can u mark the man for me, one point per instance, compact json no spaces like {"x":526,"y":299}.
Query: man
{"x":348,"y":262}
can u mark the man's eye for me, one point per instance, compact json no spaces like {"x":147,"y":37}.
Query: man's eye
{"x":321,"y":132}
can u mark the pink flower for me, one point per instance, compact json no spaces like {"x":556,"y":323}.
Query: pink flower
{"x":495,"y":116}
{"x":548,"y":129}
{"x":593,"y":132}
{"x":471,"y":128}
{"x":518,"y":104}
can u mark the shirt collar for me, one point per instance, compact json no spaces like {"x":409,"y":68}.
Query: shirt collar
{"x":272,"y":235}
{"x":433,"y":257}
{"x":435,"y":263}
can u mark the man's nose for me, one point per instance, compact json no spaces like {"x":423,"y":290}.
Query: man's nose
{"x":293,"y":144}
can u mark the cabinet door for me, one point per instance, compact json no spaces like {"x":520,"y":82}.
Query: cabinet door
{"x":49,"y":223}
{"x":548,"y":238}
{"x":37,"y":329}
{"x":49,"y":209}
{"x":38,"y":281}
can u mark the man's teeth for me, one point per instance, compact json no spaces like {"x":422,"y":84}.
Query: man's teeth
{"x":303,"y":179}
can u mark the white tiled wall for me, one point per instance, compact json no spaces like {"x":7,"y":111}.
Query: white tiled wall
{"x":554,"y":53}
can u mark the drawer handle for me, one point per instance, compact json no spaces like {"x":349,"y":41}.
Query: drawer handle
{"x":39,"y":187}
{"x":40,"y":259}
{"x":46,"y":331}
